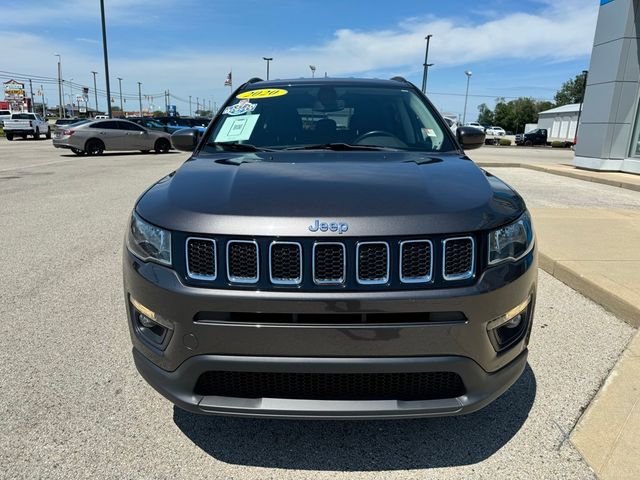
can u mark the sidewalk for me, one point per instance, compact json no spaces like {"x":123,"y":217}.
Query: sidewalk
{"x":596,"y":251}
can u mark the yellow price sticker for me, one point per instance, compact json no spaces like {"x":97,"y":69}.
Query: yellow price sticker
{"x":263,"y":93}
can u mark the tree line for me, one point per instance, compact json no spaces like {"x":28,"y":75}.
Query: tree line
{"x":515,"y":114}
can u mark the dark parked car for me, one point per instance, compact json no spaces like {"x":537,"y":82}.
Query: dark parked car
{"x":534,"y":137}
{"x":329,"y":251}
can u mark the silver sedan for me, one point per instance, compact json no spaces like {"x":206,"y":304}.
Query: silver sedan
{"x":95,"y":137}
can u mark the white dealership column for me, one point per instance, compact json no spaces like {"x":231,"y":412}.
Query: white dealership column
{"x":607,"y":136}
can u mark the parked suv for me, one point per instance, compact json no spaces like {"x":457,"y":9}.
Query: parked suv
{"x":329,"y":251}
{"x":534,"y":137}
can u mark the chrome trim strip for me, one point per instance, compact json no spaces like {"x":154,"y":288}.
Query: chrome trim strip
{"x":380,"y":281}
{"x":424,"y":279}
{"x":339,"y":281}
{"x":281,"y":281}
{"x":197,"y":276}
{"x":244,"y":279}
{"x":462,"y":276}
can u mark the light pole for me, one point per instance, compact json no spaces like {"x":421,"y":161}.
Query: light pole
{"x":120,"y":88}
{"x":584,"y":91}
{"x":106,"y":58}
{"x":313,"y":71}
{"x":426,"y":64}
{"x":140,"y":96}
{"x":189,"y":105}
{"x":73,"y":112}
{"x":268,"y":60}
{"x":95,"y":91}
{"x":468,"y":73}
{"x":60,"y":100}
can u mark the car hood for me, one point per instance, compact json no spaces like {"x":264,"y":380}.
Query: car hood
{"x":375,"y":193}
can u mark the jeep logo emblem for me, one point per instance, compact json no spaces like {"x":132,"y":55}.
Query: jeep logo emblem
{"x":336,"y":227}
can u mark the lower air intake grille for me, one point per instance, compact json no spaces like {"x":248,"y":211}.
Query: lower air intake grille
{"x":328,"y":263}
{"x":458,"y":258}
{"x":242,"y":261}
{"x":201,"y":258}
{"x":332,"y":386}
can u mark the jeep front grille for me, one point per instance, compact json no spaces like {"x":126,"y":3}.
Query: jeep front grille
{"x":316,"y":264}
{"x":372,"y":262}
{"x":201,"y":258}
{"x":242,"y":261}
{"x":458,"y":258}
{"x":329,"y":263}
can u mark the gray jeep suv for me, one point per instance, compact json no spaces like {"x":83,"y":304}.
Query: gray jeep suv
{"x":329,"y":251}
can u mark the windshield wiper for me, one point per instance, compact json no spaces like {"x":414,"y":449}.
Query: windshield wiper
{"x":238,"y":147}
{"x":339,"y":147}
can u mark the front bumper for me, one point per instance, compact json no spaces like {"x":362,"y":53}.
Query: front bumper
{"x":194,"y":346}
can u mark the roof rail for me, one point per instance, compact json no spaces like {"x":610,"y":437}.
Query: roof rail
{"x":254,"y":80}
{"x":399,"y":79}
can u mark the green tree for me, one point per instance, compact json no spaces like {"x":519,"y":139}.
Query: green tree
{"x":158,"y":113}
{"x":572,"y":91}
{"x":514,"y":114}
{"x":485,"y":115}
{"x":203,"y":113}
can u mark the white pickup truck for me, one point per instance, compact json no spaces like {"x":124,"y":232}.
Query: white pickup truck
{"x":24,"y":124}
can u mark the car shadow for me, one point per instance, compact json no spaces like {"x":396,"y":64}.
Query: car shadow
{"x":363,"y":445}
{"x":120,"y":154}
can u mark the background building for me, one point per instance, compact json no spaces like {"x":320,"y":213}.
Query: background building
{"x":560,"y":122}
{"x":609,"y":132}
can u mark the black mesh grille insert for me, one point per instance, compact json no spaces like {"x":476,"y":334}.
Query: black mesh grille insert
{"x":285,"y":262}
{"x":458,"y":257}
{"x":332,"y":386}
{"x":416,"y":261}
{"x":373,"y":262}
{"x":201,"y":256}
{"x":243,"y":261}
{"x":329,"y":263}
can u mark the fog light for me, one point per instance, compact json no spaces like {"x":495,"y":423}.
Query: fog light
{"x":514,"y":322}
{"x":147,"y":312}
{"x":512,"y":316}
{"x":146,"y":321}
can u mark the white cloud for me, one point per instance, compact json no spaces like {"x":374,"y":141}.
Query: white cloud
{"x":558,"y":31}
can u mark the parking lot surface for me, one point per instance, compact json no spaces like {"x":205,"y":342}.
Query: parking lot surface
{"x":73,"y":406}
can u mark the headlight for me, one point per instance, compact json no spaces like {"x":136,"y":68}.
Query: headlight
{"x":148,"y":242}
{"x":512,"y":241}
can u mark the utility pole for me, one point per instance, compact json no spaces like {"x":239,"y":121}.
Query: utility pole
{"x":190,"y":105}
{"x":73,"y":111}
{"x":268,"y":60}
{"x":313,"y":70}
{"x":106,"y":58}
{"x":209,"y":106}
{"x":31,"y":91}
{"x":140,"y":97}
{"x":468,"y":73}
{"x":426,"y":64}
{"x":44,"y":107}
{"x":197,"y":105}
{"x":59,"y":85}
{"x":95,"y":92}
{"x":120,"y":87}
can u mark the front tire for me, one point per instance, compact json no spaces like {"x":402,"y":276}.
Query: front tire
{"x":48,"y":136}
{"x":528,"y":143}
{"x":36,"y":134}
{"x":162,"y":145}
{"x":94,"y":147}
{"x":9,"y":136}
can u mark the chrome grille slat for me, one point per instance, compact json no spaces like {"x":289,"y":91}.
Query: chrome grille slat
{"x":372,"y":263}
{"x":285,"y":263}
{"x":458,"y":258}
{"x":243,"y":261}
{"x":416,"y":261}
{"x":201,"y":258}
{"x":329,"y":263}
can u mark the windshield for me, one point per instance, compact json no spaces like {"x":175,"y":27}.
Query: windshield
{"x":313,"y":116}
{"x":23,"y":116}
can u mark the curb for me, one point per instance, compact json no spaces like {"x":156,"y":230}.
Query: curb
{"x":624,"y":310}
{"x":570,"y":173}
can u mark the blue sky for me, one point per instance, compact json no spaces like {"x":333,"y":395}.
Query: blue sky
{"x":514,"y":48}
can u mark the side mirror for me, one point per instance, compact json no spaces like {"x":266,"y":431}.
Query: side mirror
{"x":470,"y":138}
{"x":185,"y":139}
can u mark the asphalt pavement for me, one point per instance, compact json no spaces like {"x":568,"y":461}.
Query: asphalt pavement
{"x":73,"y":406}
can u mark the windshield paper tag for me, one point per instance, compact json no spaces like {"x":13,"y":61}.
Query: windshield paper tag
{"x":263,"y":93}
{"x":237,"y":128}
{"x":240,"y":108}
{"x":429,"y":132}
